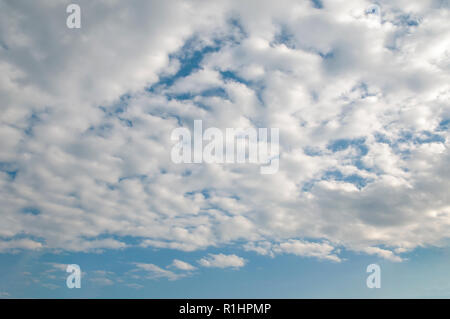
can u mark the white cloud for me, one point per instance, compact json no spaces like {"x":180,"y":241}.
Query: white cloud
{"x":57,"y":266}
{"x":85,"y":147}
{"x":308,"y":249}
{"x":301,"y":248}
{"x":19,"y":244}
{"x":155,"y":272}
{"x":387,"y":254}
{"x":182,"y":265}
{"x":222,"y":261}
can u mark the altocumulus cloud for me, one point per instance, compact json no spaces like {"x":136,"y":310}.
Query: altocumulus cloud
{"x":182,"y":265}
{"x":222,"y":261}
{"x":87,"y":114}
{"x":154,"y":272}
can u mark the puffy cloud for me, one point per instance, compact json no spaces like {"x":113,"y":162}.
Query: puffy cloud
{"x":155,"y":272}
{"x":301,"y":248}
{"x":387,"y":254}
{"x":87,"y":116}
{"x":19,"y":244}
{"x":182,"y":265}
{"x":222,"y":261}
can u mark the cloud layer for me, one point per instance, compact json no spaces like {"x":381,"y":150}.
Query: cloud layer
{"x":361,"y":98}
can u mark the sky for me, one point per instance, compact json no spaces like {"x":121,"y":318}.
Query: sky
{"x":359,"y":91}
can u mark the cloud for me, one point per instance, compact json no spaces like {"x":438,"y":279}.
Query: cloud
{"x":102,"y":277}
{"x":222,"y":261}
{"x":384,"y":253}
{"x":87,"y":117}
{"x":155,"y":272}
{"x":102,"y":281}
{"x":308,"y":249}
{"x":15,"y":244}
{"x":301,"y":248}
{"x":182,"y":265}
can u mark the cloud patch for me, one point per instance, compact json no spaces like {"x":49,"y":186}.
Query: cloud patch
{"x":222,"y":261}
{"x":87,"y":117}
{"x":182,"y":265}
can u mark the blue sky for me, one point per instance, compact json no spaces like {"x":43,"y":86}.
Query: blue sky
{"x":358,"y":90}
{"x":423,"y":275}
